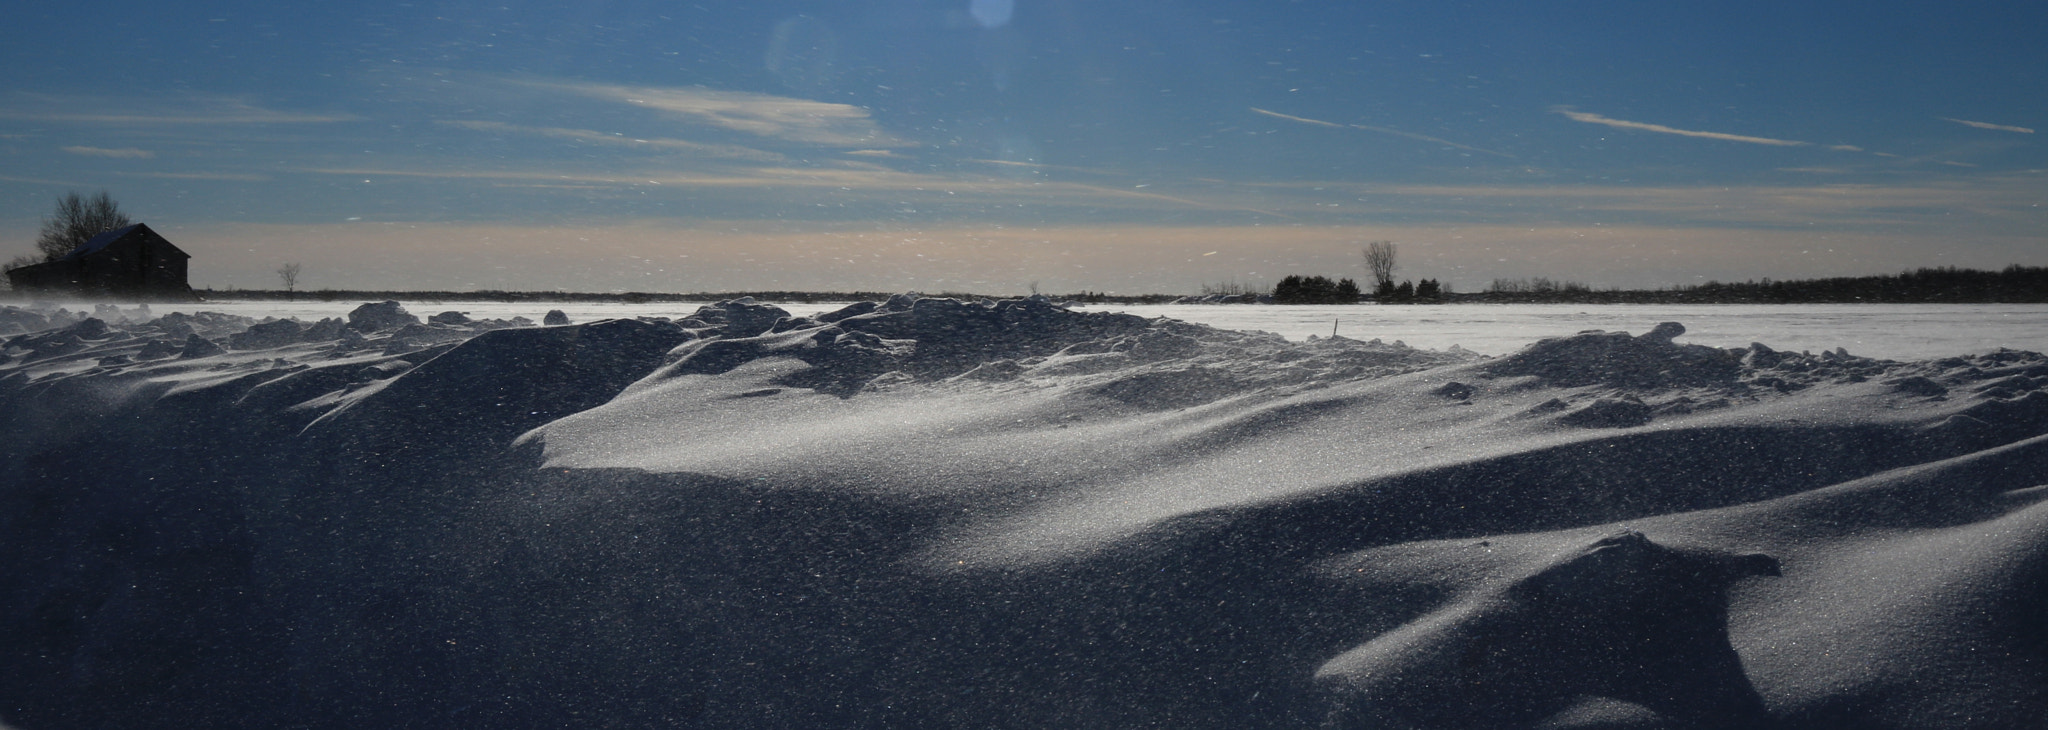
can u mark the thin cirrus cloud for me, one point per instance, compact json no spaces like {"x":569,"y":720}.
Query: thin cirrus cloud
{"x":2000,"y":205}
{"x":1988,"y":125}
{"x":213,"y":176}
{"x":831,"y":184}
{"x":186,"y":110}
{"x":800,"y":121}
{"x":1381,"y":130}
{"x":851,"y":179}
{"x":118,"y":153}
{"x":1591,"y":118}
{"x":660,"y":144}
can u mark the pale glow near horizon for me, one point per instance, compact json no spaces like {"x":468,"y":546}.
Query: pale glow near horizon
{"x":658,"y":256}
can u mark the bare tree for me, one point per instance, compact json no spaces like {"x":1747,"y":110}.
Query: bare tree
{"x":290,"y":274}
{"x":1379,"y":259}
{"x":77,"y":219}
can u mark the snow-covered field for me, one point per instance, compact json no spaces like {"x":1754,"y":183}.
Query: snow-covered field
{"x":1891,"y":331}
{"x":942,"y":514}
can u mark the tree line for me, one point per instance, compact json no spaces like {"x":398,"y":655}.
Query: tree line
{"x":2013,"y":284}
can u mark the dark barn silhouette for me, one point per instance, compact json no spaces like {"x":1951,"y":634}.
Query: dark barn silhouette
{"x":131,"y":263}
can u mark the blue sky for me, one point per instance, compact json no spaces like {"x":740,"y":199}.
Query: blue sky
{"x":983,"y":145}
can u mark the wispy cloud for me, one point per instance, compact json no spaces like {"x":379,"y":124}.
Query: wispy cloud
{"x":662,"y":144}
{"x":200,"y":110}
{"x":1591,"y":118}
{"x":1100,"y":172}
{"x":2001,"y":204}
{"x":1381,"y":130}
{"x":781,"y":177}
{"x":223,"y":176}
{"x":776,"y":117}
{"x":844,"y":183}
{"x":119,"y":153}
{"x":1292,"y":118}
{"x":1988,"y":125}
{"x":1427,"y":138}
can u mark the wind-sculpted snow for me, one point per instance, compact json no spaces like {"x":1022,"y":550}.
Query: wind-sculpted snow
{"x":1617,"y":617}
{"x":912,"y":340}
{"x":935,"y":513}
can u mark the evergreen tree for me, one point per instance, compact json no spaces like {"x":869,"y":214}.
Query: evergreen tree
{"x":1297,"y":289}
{"x":1288,"y":291}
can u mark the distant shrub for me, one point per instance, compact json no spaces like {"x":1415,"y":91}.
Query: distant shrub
{"x":1408,"y":292}
{"x":1297,"y":289}
{"x":1537,"y":285}
{"x":1232,"y":288}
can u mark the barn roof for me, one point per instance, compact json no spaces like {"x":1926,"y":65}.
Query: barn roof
{"x":107,"y":238}
{"x":104,"y":239}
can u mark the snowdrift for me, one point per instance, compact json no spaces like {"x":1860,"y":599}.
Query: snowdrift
{"x":934,"y":513}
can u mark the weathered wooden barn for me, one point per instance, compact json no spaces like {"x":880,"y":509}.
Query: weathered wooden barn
{"x":131,"y":263}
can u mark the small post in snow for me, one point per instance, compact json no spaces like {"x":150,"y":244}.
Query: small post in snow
{"x":1333,"y":328}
